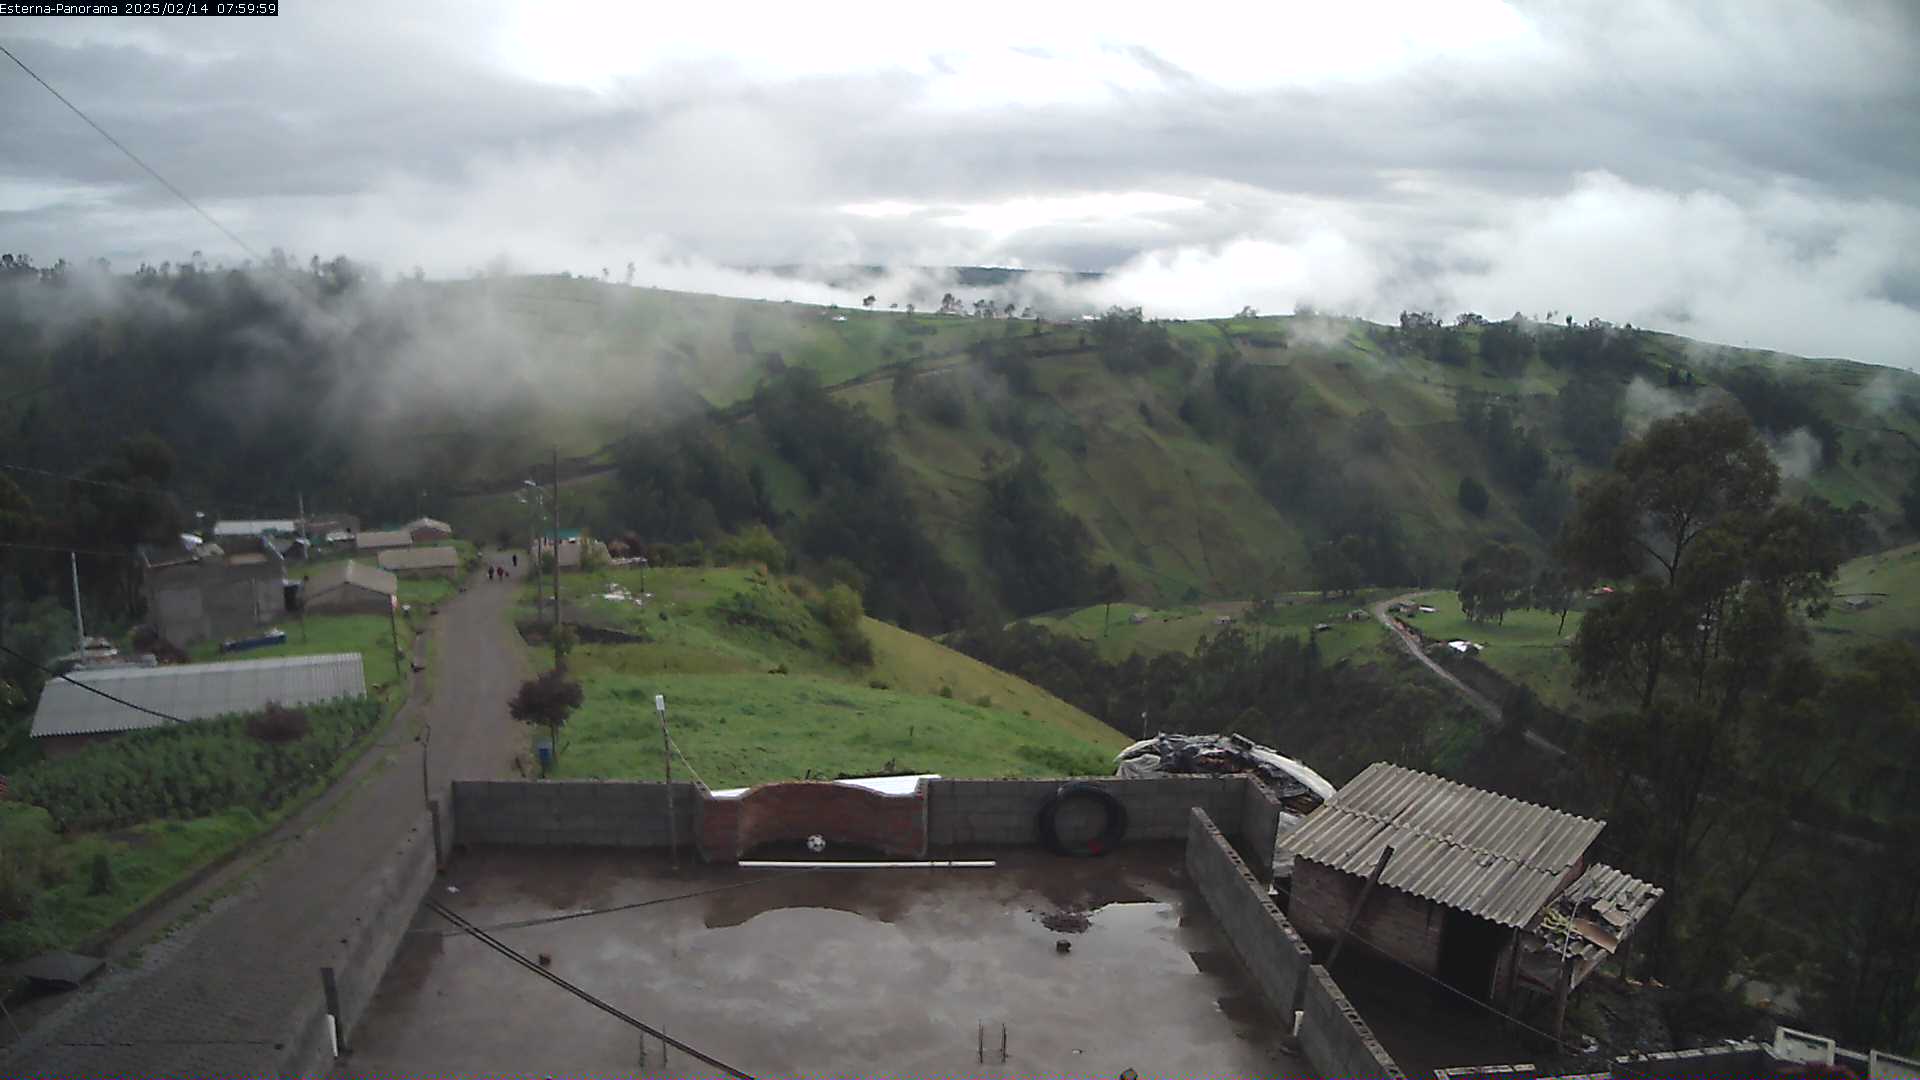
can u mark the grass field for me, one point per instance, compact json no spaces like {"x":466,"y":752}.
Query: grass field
{"x":1179,"y":629}
{"x":1890,"y":583}
{"x":145,"y":861}
{"x":755,"y":694}
{"x":369,"y":635}
{"x":739,"y":730}
{"x":1525,"y":647}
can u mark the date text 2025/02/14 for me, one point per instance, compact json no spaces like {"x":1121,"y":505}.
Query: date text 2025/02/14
{"x":241,"y":8}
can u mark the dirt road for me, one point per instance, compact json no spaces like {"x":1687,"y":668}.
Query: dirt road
{"x":1474,"y":697}
{"x":217,"y":996}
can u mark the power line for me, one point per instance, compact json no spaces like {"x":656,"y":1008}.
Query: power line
{"x":544,"y":920}
{"x":1443,"y":984}
{"x":514,"y":955}
{"x":52,"y":674}
{"x":131,"y":156}
{"x":69,"y":551}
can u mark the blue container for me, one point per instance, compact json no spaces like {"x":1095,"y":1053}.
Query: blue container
{"x":543,"y":749}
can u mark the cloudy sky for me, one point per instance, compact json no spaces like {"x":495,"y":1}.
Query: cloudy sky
{"x":1744,"y":171}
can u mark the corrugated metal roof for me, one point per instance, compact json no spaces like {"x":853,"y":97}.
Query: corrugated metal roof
{"x":429,"y":523}
{"x":419,"y":558}
{"x":193,"y":691}
{"x":334,"y":575}
{"x":393,"y":538}
{"x":254,"y":527}
{"x":1486,"y":854}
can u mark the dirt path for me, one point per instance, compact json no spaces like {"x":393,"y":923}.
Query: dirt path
{"x":217,"y":996}
{"x":1474,"y":697}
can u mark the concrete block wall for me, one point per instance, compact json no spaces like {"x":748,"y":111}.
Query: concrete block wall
{"x":1738,"y":1059}
{"x":1335,"y":1039}
{"x":1399,"y":923}
{"x":1258,"y":934}
{"x":1007,"y":811}
{"x":396,"y":889}
{"x":1488,"y":1072}
{"x":1259,"y":826}
{"x":843,"y":814}
{"x":610,"y":813}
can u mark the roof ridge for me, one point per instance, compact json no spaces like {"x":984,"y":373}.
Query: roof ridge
{"x":1451,"y":782}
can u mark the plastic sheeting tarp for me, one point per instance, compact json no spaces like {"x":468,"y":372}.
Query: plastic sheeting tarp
{"x":1299,"y":788}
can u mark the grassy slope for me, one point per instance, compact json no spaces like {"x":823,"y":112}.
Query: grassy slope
{"x":739,"y":723}
{"x":1891,"y":581}
{"x":1179,"y":629}
{"x":1179,"y":515}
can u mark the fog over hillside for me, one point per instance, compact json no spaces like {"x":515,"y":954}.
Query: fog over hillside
{"x":1733,"y":171}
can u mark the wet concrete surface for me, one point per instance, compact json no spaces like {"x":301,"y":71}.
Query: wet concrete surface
{"x":842,"y":972}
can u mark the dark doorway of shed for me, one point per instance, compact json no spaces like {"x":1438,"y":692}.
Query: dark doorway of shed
{"x":1469,"y":948}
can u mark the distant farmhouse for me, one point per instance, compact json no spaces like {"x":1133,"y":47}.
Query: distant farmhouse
{"x":226,"y":530}
{"x":1487,"y":893}
{"x":199,"y":591}
{"x":567,"y":543}
{"x":440,"y":561}
{"x":349,"y":587}
{"x":383,"y":540}
{"x":69,"y":716}
{"x":426,"y":530}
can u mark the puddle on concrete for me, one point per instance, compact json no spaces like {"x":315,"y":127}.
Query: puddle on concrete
{"x":854,"y":972}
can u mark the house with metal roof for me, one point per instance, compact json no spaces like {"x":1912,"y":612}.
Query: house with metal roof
{"x":382,"y":539}
{"x":421,"y":561}
{"x":201,"y":591}
{"x":426,"y":530}
{"x":255,"y":527}
{"x":70,"y":716}
{"x":1488,"y":893}
{"x":349,"y":587}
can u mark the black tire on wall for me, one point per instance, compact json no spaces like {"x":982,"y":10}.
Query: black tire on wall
{"x":1110,"y":836}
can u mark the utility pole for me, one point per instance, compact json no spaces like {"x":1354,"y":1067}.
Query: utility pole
{"x":666,"y":758}
{"x":558,"y":660}
{"x":79,"y":623}
{"x":393,"y":624}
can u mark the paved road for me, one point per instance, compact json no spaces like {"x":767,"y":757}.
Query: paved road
{"x":1478,"y":700}
{"x":218,"y":997}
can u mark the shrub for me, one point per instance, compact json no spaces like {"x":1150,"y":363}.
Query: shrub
{"x":100,"y":875}
{"x":278,"y":724}
{"x":985,"y":701}
{"x":26,"y":858}
{"x":1473,"y":496}
{"x":755,"y":544}
{"x":841,"y":610}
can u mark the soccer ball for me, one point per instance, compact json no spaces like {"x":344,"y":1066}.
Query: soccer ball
{"x":816,"y":843}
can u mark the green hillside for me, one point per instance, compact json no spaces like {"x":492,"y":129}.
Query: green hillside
{"x":756,"y":693}
{"x":1211,"y":468}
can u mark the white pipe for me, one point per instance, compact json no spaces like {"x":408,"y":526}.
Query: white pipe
{"x":333,"y":1033}
{"x":771,"y":864}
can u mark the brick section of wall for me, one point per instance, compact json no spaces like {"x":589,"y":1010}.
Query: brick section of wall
{"x":400,"y":887}
{"x":1259,"y":935}
{"x":1007,"y":811}
{"x":541,"y":813}
{"x":843,"y":814}
{"x":1259,"y":826}
{"x":1399,"y":923}
{"x":1336,"y":1041}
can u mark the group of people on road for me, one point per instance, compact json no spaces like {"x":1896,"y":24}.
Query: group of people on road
{"x":496,"y":572}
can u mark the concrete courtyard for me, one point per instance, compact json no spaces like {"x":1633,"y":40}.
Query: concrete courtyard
{"x":841,"y":972}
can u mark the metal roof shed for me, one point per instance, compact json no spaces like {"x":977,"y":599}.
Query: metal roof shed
{"x":1485,"y":854}
{"x":192,"y":692}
